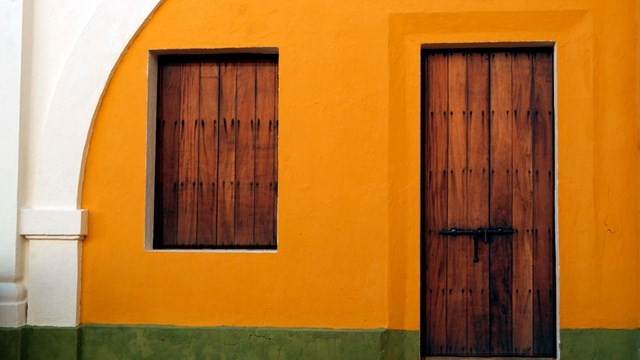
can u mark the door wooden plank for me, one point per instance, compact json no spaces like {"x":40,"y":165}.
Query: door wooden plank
{"x":226,"y":156}
{"x":522,"y":205}
{"x":435,"y":205}
{"x":459,"y":248}
{"x":188,"y":167}
{"x":500,"y":202}
{"x":275,"y":155}
{"x":167,"y":147}
{"x":544,"y":233}
{"x":245,"y":154}
{"x":208,"y":160}
{"x":478,"y":200}
{"x":265,"y":153}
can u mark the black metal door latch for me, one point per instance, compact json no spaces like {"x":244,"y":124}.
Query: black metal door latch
{"x":483,"y":234}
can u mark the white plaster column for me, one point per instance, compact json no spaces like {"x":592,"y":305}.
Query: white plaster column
{"x":51,"y":219}
{"x":12,"y":290}
{"x":55,"y":253}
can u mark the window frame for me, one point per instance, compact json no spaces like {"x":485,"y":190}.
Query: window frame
{"x":151,"y":133}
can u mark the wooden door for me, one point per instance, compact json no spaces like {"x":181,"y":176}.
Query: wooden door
{"x":488,"y":165}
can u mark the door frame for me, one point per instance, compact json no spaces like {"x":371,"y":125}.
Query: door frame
{"x":497,"y":46}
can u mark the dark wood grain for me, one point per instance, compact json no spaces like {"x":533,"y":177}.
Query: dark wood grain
{"x":543,"y":187}
{"x":245,"y":153}
{"x":275,"y":150}
{"x":500,"y":210}
{"x":167,"y":150}
{"x":226,"y":156}
{"x":522,"y":205}
{"x":487,"y":161}
{"x":477,"y":201}
{"x":208,"y":153}
{"x":188,"y":167}
{"x":435,"y":203}
{"x":460,"y":248}
{"x":216,"y":140}
{"x":265,"y":153}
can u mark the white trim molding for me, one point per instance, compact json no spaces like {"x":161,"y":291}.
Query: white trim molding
{"x":53,"y":223}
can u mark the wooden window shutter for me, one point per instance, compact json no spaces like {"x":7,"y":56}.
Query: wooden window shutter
{"x":216,"y":152}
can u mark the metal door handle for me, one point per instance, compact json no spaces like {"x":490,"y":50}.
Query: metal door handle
{"x":481,"y":233}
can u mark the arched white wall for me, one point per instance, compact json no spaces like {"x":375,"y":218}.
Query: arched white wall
{"x":52,"y":220}
{"x":67,"y":128}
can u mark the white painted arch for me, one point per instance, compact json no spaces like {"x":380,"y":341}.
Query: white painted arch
{"x":54,"y":218}
{"x":67,"y":128}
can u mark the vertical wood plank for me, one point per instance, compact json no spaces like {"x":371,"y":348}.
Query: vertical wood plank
{"x":245,"y":154}
{"x":543,"y":252}
{"x":275,"y":155}
{"x":500,"y":210}
{"x":522,"y":205}
{"x":459,"y":248}
{"x":167,"y":150}
{"x":435,"y":202}
{"x":226,"y":155}
{"x":478,"y":200}
{"x":188,"y":167}
{"x":208,"y":153}
{"x":265,"y":153}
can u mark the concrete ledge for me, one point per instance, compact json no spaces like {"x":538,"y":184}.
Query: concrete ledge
{"x":53,"y":223}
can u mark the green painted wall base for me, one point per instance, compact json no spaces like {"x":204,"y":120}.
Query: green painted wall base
{"x":600,"y":344}
{"x":30,"y":342}
{"x":105,"y":342}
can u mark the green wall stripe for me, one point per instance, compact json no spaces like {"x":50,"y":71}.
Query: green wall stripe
{"x":106,"y":342}
{"x":600,"y":344}
{"x":30,"y":342}
{"x":10,"y":343}
{"x":115,"y":342}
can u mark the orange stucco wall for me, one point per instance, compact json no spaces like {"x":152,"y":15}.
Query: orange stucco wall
{"x":348,"y":217}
